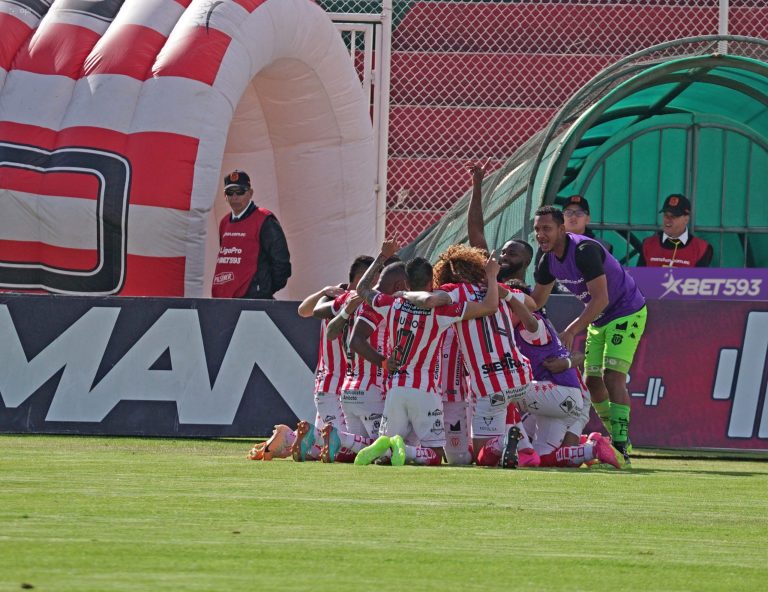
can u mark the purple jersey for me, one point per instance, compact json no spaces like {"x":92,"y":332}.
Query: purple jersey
{"x":542,"y":345}
{"x":624,"y":298}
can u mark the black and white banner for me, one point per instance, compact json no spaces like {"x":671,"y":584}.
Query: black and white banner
{"x":153,"y":366}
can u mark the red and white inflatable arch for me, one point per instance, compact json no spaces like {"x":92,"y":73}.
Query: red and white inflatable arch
{"x":119,"y":118}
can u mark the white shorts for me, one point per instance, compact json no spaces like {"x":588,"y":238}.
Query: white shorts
{"x":456,"y":421}
{"x":408,"y":408}
{"x":551,"y":400}
{"x":552,"y":410}
{"x":328,"y":406}
{"x":363,"y":411}
{"x":489,"y":414}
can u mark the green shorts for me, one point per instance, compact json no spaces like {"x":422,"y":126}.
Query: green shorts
{"x":613,"y":346}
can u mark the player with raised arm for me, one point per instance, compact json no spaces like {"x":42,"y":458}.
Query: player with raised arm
{"x":515,"y":255}
{"x":614,"y":314}
{"x":414,"y":331}
{"x":367,"y":353}
{"x":331,"y":358}
{"x":364,"y":336}
{"x":496,"y":369}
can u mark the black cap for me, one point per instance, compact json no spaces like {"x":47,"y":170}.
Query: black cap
{"x":577,"y":200}
{"x":677,"y":205}
{"x":237,"y":179}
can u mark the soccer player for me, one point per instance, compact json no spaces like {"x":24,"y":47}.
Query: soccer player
{"x":614,"y":314}
{"x":515,"y":255}
{"x":557,"y":401}
{"x":331,"y":358}
{"x":497,"y":371}
{"x":362,"y":393}
{"x":453,"y":388}
{"x":412,"y":399}
{"x":307,"y":443}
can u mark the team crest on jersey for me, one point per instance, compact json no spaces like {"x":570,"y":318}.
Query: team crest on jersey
{"x":498,"y":399}
{"x":617,"y":339}
{"x":568,"y":405}
{"x":437,"y":427}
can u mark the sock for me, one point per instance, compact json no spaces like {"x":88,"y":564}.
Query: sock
{"x":490,"y":453}
{"x":345,"y":455}
{"x":603,"y":410}
{"x":525,"y":441}
{"x":419,"y":455}
{"x":353,"y":442}
{"x":568,"y":456}
{"x":513,"y":415}
{"x":314,"y":452}
{"x":619,"y":424}
{"x":457,"y":456}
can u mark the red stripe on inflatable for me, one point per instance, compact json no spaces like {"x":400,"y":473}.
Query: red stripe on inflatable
{"x":163,"y":167}
{"x":250,"y":5}
{"x":45,"y":254}
{"x":184,"y":3}
{"x":56,"y":48}
{"x":159,"y":276}
{"x":162,"y":164}
{"x":129,"y":50}
{"x":195,"y":53}
{"x":56,"y":184}
{"x":14,"y":34}
{"x":28,"y":135}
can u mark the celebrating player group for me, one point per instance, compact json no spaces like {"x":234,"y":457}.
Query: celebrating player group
{"x":458,"y":363}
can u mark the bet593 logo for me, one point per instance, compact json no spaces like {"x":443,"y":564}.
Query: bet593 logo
{"x":712,"y":286}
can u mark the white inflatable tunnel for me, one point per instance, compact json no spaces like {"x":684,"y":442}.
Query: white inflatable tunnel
{"x":119,"y":119}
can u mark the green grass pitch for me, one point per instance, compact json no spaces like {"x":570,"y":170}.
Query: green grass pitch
{"x":104,"y":514}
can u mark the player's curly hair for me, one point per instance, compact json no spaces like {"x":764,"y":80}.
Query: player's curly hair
{"x":460,"y":263}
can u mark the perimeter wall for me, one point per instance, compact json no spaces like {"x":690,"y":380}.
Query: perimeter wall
{"x":215,"y":368}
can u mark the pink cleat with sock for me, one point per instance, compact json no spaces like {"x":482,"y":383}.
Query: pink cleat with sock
{"x":606,"y":453}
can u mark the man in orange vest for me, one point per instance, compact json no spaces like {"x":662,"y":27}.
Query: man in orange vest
{"x":674,"y":245}
{"x":253,"y":260}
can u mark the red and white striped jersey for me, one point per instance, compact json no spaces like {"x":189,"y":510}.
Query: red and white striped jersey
{"x":331,"y":357}
{"x":491,"y":355}
{"x":361,"y":374}
{"x":451,"y":383}
{"x":414,"y":335}
{"x":540,"y":337}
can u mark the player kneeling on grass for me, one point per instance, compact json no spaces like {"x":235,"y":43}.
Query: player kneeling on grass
{"x":363,"y":392}
{"x":413,"y":403}
{"x":496,"y":369}
{"x":556,"y":404}
{"x":453,"y":387}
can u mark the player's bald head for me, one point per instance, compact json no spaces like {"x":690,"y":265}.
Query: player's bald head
{"x":393,"y":278}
